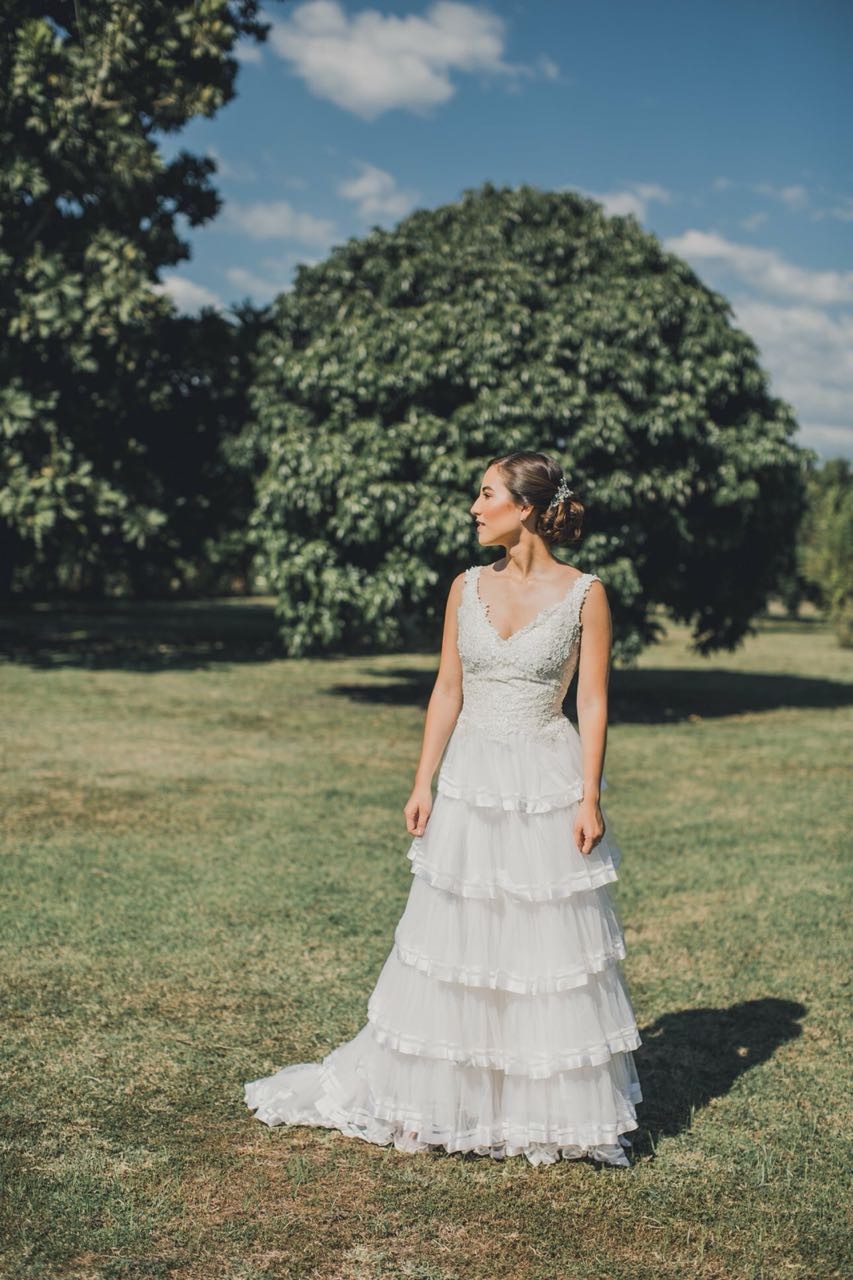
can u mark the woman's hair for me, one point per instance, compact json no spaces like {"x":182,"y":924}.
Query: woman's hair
{"x":532,"y":480}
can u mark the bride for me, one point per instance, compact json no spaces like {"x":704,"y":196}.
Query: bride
{"x":501,"y":1022}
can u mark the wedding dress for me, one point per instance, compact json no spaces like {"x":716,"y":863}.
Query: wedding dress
{"x":501,"y":1023}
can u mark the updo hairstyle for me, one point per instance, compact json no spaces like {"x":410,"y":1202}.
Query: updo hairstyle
{"x":532,"y":480}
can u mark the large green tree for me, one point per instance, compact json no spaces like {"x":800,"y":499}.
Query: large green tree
{"x":110,"y":469}
{"x":397,"y":367}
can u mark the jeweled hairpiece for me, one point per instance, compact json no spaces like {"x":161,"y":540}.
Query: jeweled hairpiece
{"x":563,"y":492}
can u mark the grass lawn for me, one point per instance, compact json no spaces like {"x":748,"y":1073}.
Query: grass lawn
{"x":203,"y":864}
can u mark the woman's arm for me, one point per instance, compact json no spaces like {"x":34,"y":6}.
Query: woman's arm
{"x":593,"y":679}
{"x":442,"y":712}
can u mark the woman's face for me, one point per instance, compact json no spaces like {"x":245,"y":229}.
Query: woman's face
{"x":497,"y":516}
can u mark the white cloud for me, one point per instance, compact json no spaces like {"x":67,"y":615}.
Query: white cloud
{"x":278,"y":220}
{"x":754,"y":220}
{"x":237,"y":171}
{"x":809,"y":355}
{"x":289,"y":261}
{"x":795,"y":197}
{"x":805,"y":346}
{"x":653,"y":191}
{"x":376,"y":194}
{"x":260,"y":289}
{"x":764,"y":268}
{"x":372,"y":62}
{"x":248,"y":51}
{"x":829,"y":441}
{"x":634,"y":199}
{"x":843,"y":210}
{"x":277,"y":278}
{"x":186,"y":295}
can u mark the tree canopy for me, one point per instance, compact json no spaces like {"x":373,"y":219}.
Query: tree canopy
{"x":99,"y":377}
{"x":513,"y":319}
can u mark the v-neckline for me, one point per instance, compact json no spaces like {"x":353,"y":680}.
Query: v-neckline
{"x":549,"y":608}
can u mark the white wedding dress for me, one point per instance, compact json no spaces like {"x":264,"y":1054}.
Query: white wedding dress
{"x":501,"y":1023}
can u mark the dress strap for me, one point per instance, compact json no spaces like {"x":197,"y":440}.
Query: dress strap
{"x":578,"y":593}
{"x":471,"y":577}
{"x":468,"y":585}
{"x":590,"y":579}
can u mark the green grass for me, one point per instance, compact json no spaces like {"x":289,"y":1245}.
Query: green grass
{"x":203,"y":864}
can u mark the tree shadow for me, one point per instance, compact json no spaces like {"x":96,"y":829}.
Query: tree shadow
{"x":154,"y":635}
{"x":689,"y":1058}
{"x":653,"y":695}
{"x":664,"y":695}
{"x":187,"y":635}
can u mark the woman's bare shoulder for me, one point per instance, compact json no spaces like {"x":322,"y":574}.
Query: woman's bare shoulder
{"x":454,"y":594}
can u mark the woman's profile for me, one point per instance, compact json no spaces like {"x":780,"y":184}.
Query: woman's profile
{"x":501,"y":1022}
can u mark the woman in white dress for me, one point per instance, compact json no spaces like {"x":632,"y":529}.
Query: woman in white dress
{"x":501,"y":1022}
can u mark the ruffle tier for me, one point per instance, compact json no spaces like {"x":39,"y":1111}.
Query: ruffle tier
{"x":517,"y":1034}
{"x":513,"y":771}
{"x":509,"y":944}
{"x":500,"y":1023}
{"x":476,"y":852}
{"x":371,"y":1091}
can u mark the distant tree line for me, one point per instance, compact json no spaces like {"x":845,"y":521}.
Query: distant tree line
{"x":823,"y":568}
{"x":327,"y":447}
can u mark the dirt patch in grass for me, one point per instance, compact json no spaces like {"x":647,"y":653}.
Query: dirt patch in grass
{"x":58,"y":806}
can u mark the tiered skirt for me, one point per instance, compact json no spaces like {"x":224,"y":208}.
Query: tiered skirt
{"x":501,"y":1022}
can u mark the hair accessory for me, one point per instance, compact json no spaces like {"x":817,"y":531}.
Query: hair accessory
{"x":563,"y":491}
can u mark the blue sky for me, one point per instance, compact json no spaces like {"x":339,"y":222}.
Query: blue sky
{"x":724,"y":125}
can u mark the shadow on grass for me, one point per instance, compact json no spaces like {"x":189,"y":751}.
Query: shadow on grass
{"x":151,"y":635}
{"x":689,"y":1058}
{"x":140,"y":635}
{"x":188,"y":635}
{"x":654,"y":695}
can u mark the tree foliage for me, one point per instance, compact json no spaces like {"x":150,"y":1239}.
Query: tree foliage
{"x":102,"y":386}
{"x":825,"y":559}
{"x":397,"y":367}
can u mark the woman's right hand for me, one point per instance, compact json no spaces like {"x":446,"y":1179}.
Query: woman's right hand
{"x":417,"y":810}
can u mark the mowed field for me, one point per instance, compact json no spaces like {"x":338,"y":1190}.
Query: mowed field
{"x":203,"y":862}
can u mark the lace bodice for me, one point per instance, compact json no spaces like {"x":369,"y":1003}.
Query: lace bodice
{"x":517,"y":684}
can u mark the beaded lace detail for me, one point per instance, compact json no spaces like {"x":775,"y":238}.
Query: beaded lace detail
{"x":516,"y":684}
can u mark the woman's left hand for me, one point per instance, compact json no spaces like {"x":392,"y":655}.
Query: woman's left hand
{"x":588,"y":826}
